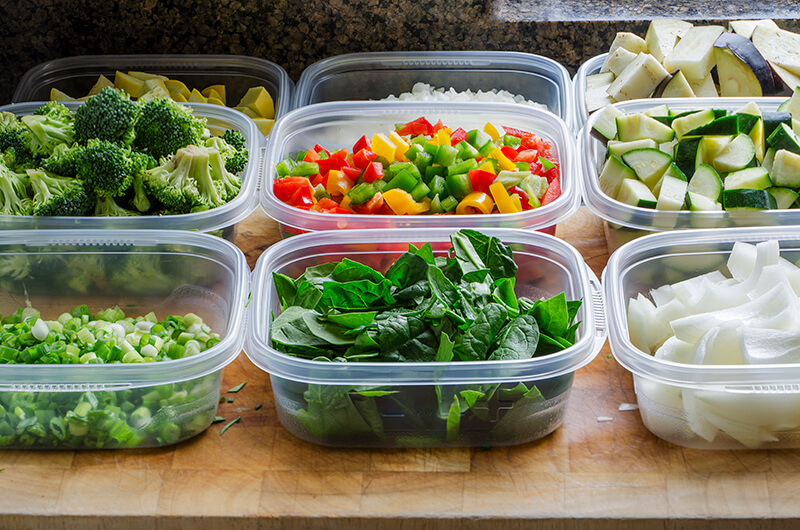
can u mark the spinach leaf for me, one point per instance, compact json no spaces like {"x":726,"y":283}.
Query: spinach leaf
{"x":407,"y":270}
{"x":453,"y":420}
{"x":285,"y":289}
{"x":350,"y":271}
{"x":489,"y":251}
{"x":358,"y":294}
{"x":552,"y":315}
{"x":530,"y":403}
{"x":517,"y":340}
{"x":318,"y":273}
{"x":416,"y":291}
{"x":504,"y":294}
{"x":308,"y":295}
{"x":332,"y":413}
{"x":467,"y":257}
{"x":482,"y":333}
{"x":445,"y":352}
{"x":425,"y":252}
{"x":352,"y":320}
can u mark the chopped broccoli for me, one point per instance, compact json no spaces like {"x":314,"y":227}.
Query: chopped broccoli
{"x":235,"y":158}
{"x":14,"y":141}
{"x":15,"y":266}
{"x":56,"y":110}
{"x":234,"y":138}
{"x":140,"y":200}
{"x":107,"y":168}
{"x":141,"y":272}
{"x":165,"y":126}
{"x":108,"y":207}
{"x":173,"y":182}
{"x":226,"y":182}
{"x":87,"y":271}
{"x":49,"y":130}
{"x":14,"y":198}
{"x":108,"y":115}
{"x":57,"y":195}
{"x":64,"y":160}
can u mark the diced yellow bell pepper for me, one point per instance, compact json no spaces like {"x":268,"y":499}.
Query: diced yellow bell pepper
{"x":258,"y":99}
{"x":345,"y":202}
{"x":154,"y":93}
{"x":505,"y":163}
{"x":197,"y":97}
{"x":433,"y":140}
{"x":477,"y":200}
{"x":487,"y":166}
{"x":100,"y":84}
{"x":492,"y":131}
{"x":176,"y":87}
{"x":218,"y":89}
{"x":382,"y":146}
{"x":264,"y":125}
{"x":402,"y":203}
{"x":517,"y":202}
{"x":401,"y":145}
{"x":338,"y":183}
{"x":144,"y":76}
{"x":444,"y":137}
{"x":502,"y":199}
{"x":129,"y":84}
{"x":57,"y":95}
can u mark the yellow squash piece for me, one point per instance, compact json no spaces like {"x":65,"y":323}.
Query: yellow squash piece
{"x":155,"y":93}
{"x":247,"y":111}
{"x":219,"y":89}
{"x":197,"y":97}
{"x":264,"y":125}
{"x":57,"y":95}
{"x":180,"y":98}
{"x":144,"y":76}
{"x":258,"y":99}
{"x":152,"y":83}
{"x":129,"y":84}
{"x":100,"y":84}
{"x":215,"y":101}
{"x":176,"y":87}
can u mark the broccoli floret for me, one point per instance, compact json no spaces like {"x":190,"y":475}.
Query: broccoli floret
{"x":64,"y":160}
{"x":107,"y":168}
{"x":108,"y":115}
{"x":14,"y":199}
{"x":55,"y":110}
{"x":173,"y":183}
{"x":49,"y":130}
{"x":235,"y":158}
{"x":140,"y":199}
{"x":165,"y":126}
{"x":15,"y":266}
{"x":140,"y":272}
{"x":87,"y":271}
{"x":14,"y":141}
{"x":57,"y":195}
{"x":108,"y":207}
{"x":234,"y":138}
{"x":225,"y":181}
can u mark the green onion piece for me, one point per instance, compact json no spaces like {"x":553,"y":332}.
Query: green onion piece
{"x":237,"y":388}
{"x":230,"y":400}
{"x":218,"y":419}
{"x":258,"y":406}
{"x":228,"y":426}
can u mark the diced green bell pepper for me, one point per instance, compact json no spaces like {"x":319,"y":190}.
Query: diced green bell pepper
{"x":403,"y":180}
{"x":438,"y":186}
{"x":446,"y":155}
{"x":462,"y":167}
{"x":459,"y":185}
{"x":361,"y":193}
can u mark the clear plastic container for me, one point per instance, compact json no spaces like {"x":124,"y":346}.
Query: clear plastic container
{"x":76,"y":75}
{"x":167,"y":272}
{"x":222,"y":218}
{"x":337,"y":125}
{"x":376,"y":75}
{"x":625,"y":222}
{"x":411,"y":415}
{"x":701,"y":406}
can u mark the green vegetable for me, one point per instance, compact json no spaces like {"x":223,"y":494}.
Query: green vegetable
{"x":56,"y":195}
{"x":459,"y":306}
{"x":165,"y":126}
{"x":237,"y":388}
{"x":229,"y":425}
{"x":109,"y":115}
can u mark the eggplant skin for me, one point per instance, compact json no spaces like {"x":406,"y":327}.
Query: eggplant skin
{"x":659,"y":91}
{"x":746,"y":52}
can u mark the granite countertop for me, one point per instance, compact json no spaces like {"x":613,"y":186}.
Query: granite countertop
{"x":297,"y":34}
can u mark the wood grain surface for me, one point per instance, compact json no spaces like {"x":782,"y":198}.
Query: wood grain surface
{"x":586,"y":475}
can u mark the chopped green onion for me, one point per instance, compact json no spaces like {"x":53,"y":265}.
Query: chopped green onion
{"x":228,"y":426}
{"x":218,"y":419}
{"x":237,"y":388}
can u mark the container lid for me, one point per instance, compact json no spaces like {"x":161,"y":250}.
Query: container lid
{"x":105,"y":376}
{"x":591,"y":336}
{"x":735,"y":378}
{"x":214,"y":219}
{"x":465,"y":62}
{"x":343,"y":123}
{"x":47,"y":74}
{"x":613,"y":211}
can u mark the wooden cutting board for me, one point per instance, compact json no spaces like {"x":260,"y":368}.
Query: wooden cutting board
{"x":586,"y":475}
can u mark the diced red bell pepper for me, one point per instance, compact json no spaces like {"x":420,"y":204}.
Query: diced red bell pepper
{"x":319,"y":149}
{"x":326,"y":204}
{"x":352,"y":173}
{"x":553,"y":191}
{"x":286,"y":187}
{"x":537,"y":168}
{"x":416,"y":127}
{"x":316,"y":180}
{"x":481,"y":180}
{"x":551,"y":174}
{"x":311,"y":156}
{"x":511,"y":131}
{"x":333,"y":162}
{"x":363,"y":157}
{"x":303,"y":196}
{"x":341,"y":153}
{"x":459,"y":135}
{"x":362,"y":143}
{"x":439,"y":125}
{"x":510,"y":152}
{"x":372,"y":206}
{"x":528,"y":155}
{"x":373,"y":172}
{"x":523,"y":197}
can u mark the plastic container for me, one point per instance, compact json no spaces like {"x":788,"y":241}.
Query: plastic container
{"x":670,"y":394}
{"x":410,"y":417}
{"x":76,"y":75}
{"x":338,"y":125}
{"x":222,"y":218}
{"x":625,"y":222}
{"x":593,"y":66}
{"x":178,"y":272}
{"x":376,"y":75}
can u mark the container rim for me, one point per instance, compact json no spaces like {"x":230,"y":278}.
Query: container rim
{"x":737,"y":378}
{"x":138,"y":374}
{"x":188,"y":61}
{"x":214,"y":219}
{"x":259,"y":350}
{"x":296,"y":120}
{"x":438,"y":59}
{"x":648,"y":219}
{"x":590,"y":66}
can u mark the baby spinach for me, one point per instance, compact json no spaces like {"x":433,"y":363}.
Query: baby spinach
{"x":455,"y":306}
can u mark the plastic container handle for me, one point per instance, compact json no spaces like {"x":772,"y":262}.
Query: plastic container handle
{"x":598,"y":308}
{"x":64,"y":387}
{"x":262,"y":159}
{"x":763,"y":389}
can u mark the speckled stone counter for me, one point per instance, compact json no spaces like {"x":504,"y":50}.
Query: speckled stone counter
{"x":295,"y":34}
